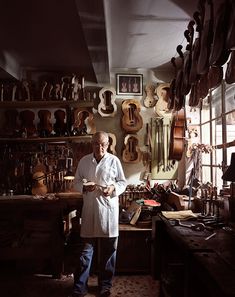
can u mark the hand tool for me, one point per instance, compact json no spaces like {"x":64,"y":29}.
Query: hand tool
{"x":194,"y":227}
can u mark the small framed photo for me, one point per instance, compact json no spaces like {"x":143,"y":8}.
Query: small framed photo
{"x":129,"y":84}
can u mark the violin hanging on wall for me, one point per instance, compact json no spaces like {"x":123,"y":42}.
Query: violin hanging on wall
{"x":39,"y":186}
{"x":107,"y":106}
{"x":39,"y":182}
{"x":44,"y":125}
{"x":161,"y":107}
{"x":179,"y":95}
{"x":26,"y":118}
{"x":11,"y":126}
{"x":206,"y":36}
{"x":219,"y":53}
{"x":171,"y":97}
{"x":189,"y":34}
{"x":149,"y":100}
{"x":112,"y":144}
{"x":60,"y":126}
{"x":131,"y":120}
{"x":83,"y":122}
{"x":193,"y":75}
{"x":131,"y":152}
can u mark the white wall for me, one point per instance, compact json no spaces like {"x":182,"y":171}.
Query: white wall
{"x":133,"y":172}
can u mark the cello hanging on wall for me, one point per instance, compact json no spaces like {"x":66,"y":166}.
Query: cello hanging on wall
{"x":131,"y":120}
{"x":177,"y":135}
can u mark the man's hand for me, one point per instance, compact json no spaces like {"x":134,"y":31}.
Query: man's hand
{"x":108,"y":191}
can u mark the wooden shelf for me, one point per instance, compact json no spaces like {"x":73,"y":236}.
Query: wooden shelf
{"x":48,"y":139}
{"x":44,"y":103}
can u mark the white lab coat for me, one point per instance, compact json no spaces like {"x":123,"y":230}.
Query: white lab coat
{"x":100,"y":214}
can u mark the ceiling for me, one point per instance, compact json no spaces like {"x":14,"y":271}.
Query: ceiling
{"x":91,"y":37}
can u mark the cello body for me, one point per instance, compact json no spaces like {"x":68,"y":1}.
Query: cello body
{"x":177,"y":144}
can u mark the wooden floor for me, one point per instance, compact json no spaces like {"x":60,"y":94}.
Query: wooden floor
{"x":18,"y":285}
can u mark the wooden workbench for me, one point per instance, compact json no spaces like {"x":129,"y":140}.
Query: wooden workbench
{"x":187,"y":265}
{"x":32,"y":232}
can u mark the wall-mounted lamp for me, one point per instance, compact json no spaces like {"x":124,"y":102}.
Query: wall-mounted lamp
{"x":69,"y":173}
{"x":229,"y":175}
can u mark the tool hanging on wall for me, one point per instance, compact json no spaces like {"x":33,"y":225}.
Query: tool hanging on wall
{"x":146,"y":155}
{"x":161,"y":142}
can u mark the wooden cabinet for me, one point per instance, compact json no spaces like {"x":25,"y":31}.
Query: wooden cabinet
{"x":31,"y":235}
{"x":134,"y":250}
{"x":133,"y":254}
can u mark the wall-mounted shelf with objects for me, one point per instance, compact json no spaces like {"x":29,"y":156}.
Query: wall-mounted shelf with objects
{"x":43,"y":135}
{"x":44,"y":103}
{"x":53,"y":140}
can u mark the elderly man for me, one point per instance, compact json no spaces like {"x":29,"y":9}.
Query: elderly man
{"x":100,"y":177}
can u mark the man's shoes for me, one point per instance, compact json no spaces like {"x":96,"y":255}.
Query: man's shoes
{"x":105,"y":293}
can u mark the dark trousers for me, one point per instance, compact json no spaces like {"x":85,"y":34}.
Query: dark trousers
{"x":107,"y":249}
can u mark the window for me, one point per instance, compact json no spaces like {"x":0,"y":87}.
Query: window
{"x":217,"y":126}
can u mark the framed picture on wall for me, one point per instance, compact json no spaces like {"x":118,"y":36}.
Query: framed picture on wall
{"x":129,"y":84}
